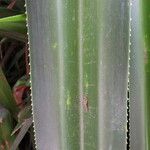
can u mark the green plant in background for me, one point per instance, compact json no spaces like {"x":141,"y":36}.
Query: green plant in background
{"x":14,"y":27}
{"x":12,"y":22}
{"x":6,"y":97}
{"x":15,"y":108}
{"x":4,"y":12}
{"x":6,"y":128}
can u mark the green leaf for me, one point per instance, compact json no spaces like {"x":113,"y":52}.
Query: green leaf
{"x":140,"y":76}
{"x":24,"y":80}
{"x":14,"y":27}
{"x":146,"y":37}
{"x":79,"y":61}
{"x":6,"y":127}
{"x":24,"y":114}
{"x":137,"y":97}
{"x":6,"y":97}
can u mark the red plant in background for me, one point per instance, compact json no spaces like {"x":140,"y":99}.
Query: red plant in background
{"x":18,"y":93}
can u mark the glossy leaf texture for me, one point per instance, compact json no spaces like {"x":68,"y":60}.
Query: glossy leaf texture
{"x":79,"y":69}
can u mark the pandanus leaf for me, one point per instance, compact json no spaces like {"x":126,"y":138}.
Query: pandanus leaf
{"x":79,"y":70}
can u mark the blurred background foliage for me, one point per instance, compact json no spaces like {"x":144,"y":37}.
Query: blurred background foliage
{"x":15,"y":110}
